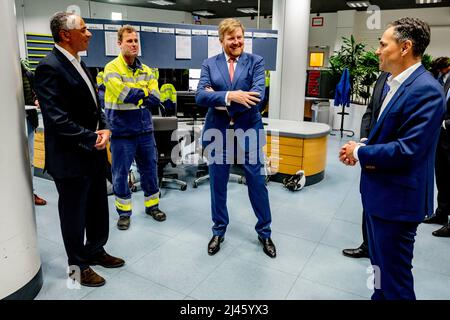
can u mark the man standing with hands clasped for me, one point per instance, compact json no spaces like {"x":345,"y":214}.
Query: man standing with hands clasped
{"x":397,"y":160}
{"x":232,"y":86}
{"x":76,"y":134}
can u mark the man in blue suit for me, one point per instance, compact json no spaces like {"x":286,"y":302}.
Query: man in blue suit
{"x":397,"y":160}
{"x":232,"y":86}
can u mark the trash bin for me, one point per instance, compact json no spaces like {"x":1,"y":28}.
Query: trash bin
{"x":321,"y":112}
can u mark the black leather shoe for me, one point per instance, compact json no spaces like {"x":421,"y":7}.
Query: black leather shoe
{"x":360,"y":252}
{"x":438,"y":219}
{"x":214,"y":245}
{"x":442,"y":232}
{"x":157,"y":214}
{"x":268,"y":247}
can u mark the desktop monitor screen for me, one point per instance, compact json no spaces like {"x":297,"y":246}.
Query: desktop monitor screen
{"x":193,"y":83}
{"x":316,"y":59}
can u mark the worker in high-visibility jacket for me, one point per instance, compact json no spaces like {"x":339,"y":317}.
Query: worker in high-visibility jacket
{"x":169,"y":98}
{"x":131,"y":90}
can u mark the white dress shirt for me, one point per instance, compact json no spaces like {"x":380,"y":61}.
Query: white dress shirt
{"x":76,"y":63}
{"x":394,"y":84}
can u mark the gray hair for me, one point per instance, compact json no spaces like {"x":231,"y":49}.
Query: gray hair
{"x":62,"y":21}
{"x":415,"y":30}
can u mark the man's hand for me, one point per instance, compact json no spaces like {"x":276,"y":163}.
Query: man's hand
{"x":247,"y":98}
{"x":346,"y":153}
{"x":102,"y":138}
{"x":209,"y":89}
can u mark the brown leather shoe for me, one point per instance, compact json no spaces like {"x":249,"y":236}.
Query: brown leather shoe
{"x":89,"y":278}
{"x":38,"y":201}
{"x":123,"y":223}
{"x":107,"y":261}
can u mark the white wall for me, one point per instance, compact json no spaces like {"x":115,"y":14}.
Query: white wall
{"x":325,"y":35}
{"x":264,"y":23}
{"x":437,"y":18}
{"x":38,"y":12}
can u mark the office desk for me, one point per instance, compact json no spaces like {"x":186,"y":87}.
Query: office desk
{"x":291,"y":146}
{"x":295,"y":145}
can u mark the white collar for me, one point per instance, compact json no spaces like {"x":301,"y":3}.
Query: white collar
{"x":67,"y":53}
{"x":399,"y":79}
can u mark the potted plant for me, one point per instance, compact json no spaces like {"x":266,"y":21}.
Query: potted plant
{"x":362,"y":66}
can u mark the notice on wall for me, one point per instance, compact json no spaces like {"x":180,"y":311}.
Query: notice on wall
{"x":214,"y":46}
{"x":149,"y":29}
{"x":259,"y":35}
{"x":183,"y":47}
{"x":166,"y":30}
{"x":112,"y":47}
{"x":199,"y":32}
{"x":94,"y":26}
{"x":248,"y":45}
{"x":113,"y":26}
{"x":183,"y":31}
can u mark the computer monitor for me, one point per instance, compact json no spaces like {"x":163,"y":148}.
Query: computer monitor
{"x":320,"y":84}
{"x":316,"y":59}
{"x":187,"y":108}
{"x":193,"y":83}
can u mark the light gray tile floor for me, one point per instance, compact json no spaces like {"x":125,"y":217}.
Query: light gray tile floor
{"x":168,"y":260}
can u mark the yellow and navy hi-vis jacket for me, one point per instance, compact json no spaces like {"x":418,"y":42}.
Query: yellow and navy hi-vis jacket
{"x":130,"y":94}
{"x":168,"y":92}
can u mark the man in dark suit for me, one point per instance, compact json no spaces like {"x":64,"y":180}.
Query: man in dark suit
{"x":380,"y":91}
{"x":232,"y":86}
{"x":76,"y":134}
{"x":397,"y":160}
{"x":443,"y":173}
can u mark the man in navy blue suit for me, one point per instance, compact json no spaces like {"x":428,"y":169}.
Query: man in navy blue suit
{"x":397,"y":160}
{"x":76,"y":133}
{"x":232,"y":86}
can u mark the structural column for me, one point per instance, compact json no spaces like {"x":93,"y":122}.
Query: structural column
{"x":287,"y":84}
{"x":20,"y":265}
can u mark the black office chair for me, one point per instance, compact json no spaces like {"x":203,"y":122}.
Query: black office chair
{"x":163,"y":128}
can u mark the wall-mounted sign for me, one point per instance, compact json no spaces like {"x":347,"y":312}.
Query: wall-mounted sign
{"x":317,"y":22}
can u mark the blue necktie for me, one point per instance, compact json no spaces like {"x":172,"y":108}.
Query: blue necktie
{"x":441,"y":79}
{"x":386,"y":89}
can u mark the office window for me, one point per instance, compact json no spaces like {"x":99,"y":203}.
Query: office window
{"x":316,"y":59}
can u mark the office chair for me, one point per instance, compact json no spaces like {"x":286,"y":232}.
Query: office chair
{"x":163,"y":128}
{"x":193,"y":154}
